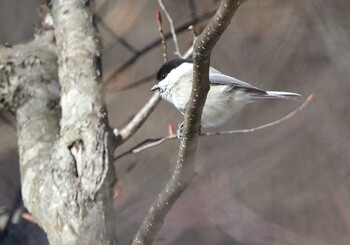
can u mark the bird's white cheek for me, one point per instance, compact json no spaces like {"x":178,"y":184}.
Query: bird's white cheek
{"x":163,"y":89}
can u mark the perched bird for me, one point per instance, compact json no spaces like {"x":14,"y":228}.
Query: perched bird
{"x":227,"y":95}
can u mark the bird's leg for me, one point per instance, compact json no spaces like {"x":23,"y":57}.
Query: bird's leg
{"x":179,"y":130}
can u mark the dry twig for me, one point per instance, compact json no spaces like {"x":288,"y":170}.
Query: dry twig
{"x":130,"y":129}
{"x":149,"y":143}
{"x":155,"y":43}
{"x":137,"y":121}
{"x":172,"y":29}
{"x":161,"y":32}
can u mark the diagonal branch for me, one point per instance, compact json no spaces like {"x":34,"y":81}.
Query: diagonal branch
{"x":115,"y":36}
{"x":125,"y":133}
{"x":154,"y":44}
{"x":149,"y":77}
{"x":137,"y":121}
{"x":184,"y":170}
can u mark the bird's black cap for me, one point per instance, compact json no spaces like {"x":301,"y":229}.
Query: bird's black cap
{"x":168,"y":66}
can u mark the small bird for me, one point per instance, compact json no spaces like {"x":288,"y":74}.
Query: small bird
{"x":227,"y":95}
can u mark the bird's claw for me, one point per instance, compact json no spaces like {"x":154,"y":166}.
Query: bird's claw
{"x":179,"y":131}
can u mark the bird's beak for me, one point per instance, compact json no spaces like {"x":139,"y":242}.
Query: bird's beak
{"x":155,"y":87}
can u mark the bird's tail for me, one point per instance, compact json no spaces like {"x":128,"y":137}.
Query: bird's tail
{"x":277,"y":95}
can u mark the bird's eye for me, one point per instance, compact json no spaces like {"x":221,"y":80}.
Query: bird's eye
{"x":163,"y":76}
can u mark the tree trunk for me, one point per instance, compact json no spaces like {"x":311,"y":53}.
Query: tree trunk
{"x":65,"y":143}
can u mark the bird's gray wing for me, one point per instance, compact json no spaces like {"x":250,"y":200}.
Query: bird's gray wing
{"x":221,"y":79}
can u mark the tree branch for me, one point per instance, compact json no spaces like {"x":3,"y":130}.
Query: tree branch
{"x":149,"y":143}
{"x":66,"y":166}
{"x":161,"y":33}
{"x":81,"y":162}
{"x":137,"y":121}
{"x":172,"y":29}
{"x":184,"y":170}
{"x":154,"y":44}
{"x":28,"y":87}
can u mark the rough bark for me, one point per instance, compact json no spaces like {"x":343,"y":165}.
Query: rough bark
{"x":65,"y":142}
{"x":30,"y":89}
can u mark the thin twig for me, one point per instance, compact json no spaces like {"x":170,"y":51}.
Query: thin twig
{"x":139,"y":82}
{"x":109,"y":30}
{"x":147,"y":78}
{"x":144,"y":145}
{"x":149,"y":143}
{"x":188,"y":53}
{"x":251,"y":130}
{"x":154,"y":44}
{"x":161,"y":32}
{"x":137,"y":121}
{"x":194,"y":33}
{"x":124,"y":134}
{"x":172,"y":29}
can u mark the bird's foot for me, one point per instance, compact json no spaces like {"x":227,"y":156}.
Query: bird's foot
{"x":179,"y":131}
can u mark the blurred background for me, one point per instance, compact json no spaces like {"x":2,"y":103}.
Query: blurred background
{"x":288,"y":184}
